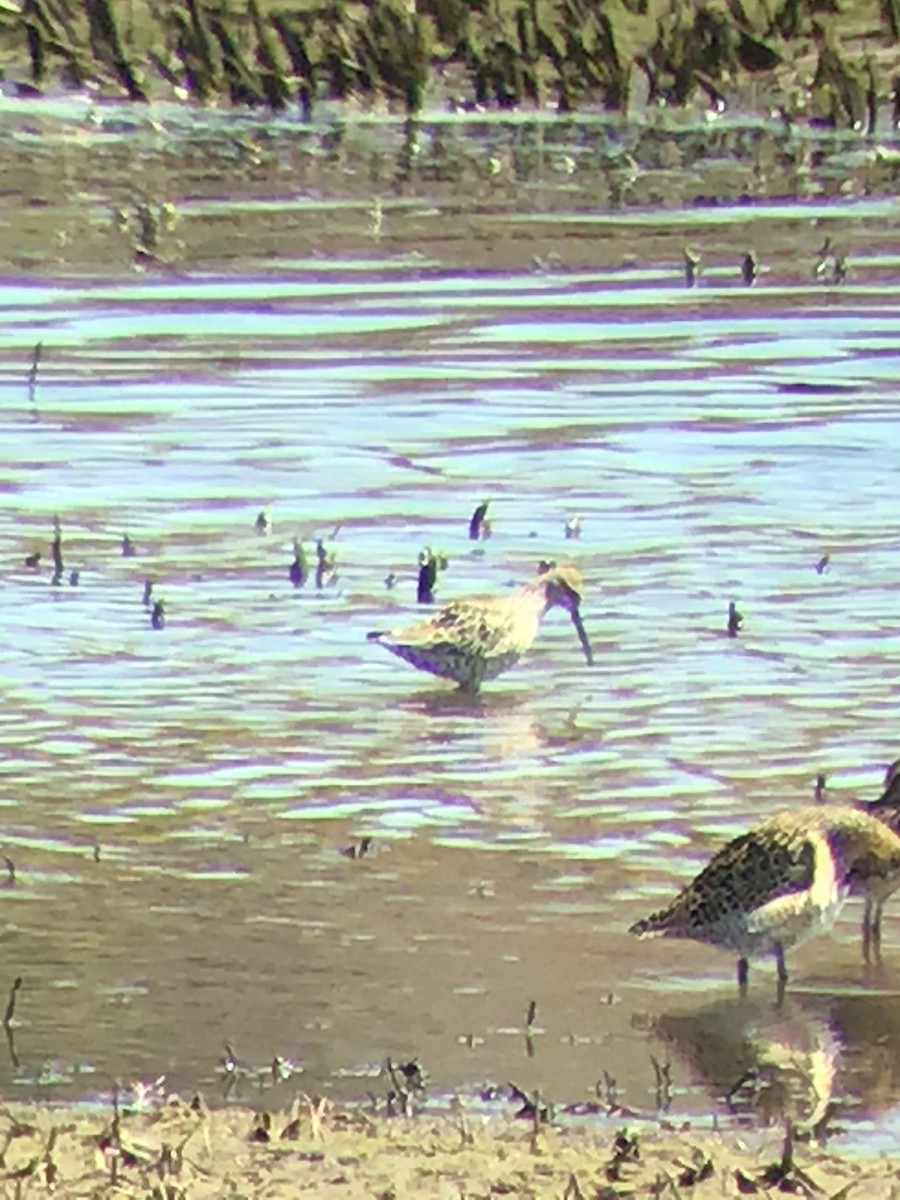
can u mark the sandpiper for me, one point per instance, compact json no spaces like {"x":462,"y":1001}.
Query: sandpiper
{"x":478,"y":638}
{"x":781,"y":883}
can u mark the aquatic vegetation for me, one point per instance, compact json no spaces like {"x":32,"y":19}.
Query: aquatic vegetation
{"x":735,"y":619}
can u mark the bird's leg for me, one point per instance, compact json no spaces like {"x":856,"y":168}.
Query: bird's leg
{"x":867,"y":931}
{"x":782,"y":975}
{"x":743,"y":974}
{"x":876,"y":931}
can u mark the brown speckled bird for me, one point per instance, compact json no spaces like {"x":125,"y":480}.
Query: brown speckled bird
{"x":478,"y":638}
{"x":781,"y":883}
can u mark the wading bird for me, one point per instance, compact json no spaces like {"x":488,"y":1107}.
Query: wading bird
{"x":781,"y":883}
{"x":475,"y":639}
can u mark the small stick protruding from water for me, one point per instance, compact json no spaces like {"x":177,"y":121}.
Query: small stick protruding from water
{"x":819,"y":793}
{"x":831,"y":265}
{"x":128,"y":547}
{"x":691,"y":266}
{"x":357,"y":849}
{"x":11,"y":1002}
{"x":822,"y":564}
{"x":529,"y":1027}
{"x":158,"y":615}
{"x":478,"y":527}
{"x":33,"y":560}
{"x":610,"y":1091}
{"x":299,"y":570}
{"x":325,"y":565}
{"x":56,"y":548}
{"x":264,"y":521}
{"x":749,"y":268}
{"x":663,"y":1074}
{"x":735,"y":620}
{"x":148,"y":592}
{"x":33,"y":373}
{"x":428,"y":569}
{"x":573,"y":527}
{"x":10,"y":871}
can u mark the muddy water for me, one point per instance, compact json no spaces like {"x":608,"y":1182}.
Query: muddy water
{"x":175,"y":802}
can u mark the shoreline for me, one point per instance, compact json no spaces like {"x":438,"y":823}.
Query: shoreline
{"x":180,"y":1149}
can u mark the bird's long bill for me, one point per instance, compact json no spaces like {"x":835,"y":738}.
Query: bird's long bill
{"x":582,"y":637}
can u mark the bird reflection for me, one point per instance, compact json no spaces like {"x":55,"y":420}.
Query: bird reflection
{"x":510,"y":727}
{"x":802,"y":1060}
{"x":867,"y":1026}
{"x":765,"y":1063}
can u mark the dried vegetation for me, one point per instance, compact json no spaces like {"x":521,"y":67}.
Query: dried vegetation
{"x":185,"y":1150}
{"x":501,"y":53}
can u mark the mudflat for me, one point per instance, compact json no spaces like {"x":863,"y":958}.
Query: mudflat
{"x":180,"y":1150}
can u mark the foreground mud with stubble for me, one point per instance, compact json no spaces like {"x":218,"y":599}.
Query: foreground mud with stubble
{"x":184,"y":1150}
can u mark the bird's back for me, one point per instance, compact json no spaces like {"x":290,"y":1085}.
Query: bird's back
{"x":744,"y":877}
{"x":467,"y":640}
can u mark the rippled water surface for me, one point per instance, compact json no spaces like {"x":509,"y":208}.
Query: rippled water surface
{"x":175,"y":802}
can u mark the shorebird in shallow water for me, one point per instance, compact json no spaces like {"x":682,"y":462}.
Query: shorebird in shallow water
{"x":476,"y":639}
{"x":781,"y":883}
{"x":887,"y":809}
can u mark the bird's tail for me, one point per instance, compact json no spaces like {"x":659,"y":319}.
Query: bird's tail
{"x":374,"y":635}
{"x":655,"y":925}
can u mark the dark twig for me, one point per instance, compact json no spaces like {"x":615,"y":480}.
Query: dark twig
{"x":529,"y":1027}
{"x":691,"y":266}
{"x":299,"y":570}
{"x":735,"y":620}
{"x":663,"y":1073}
{"x":33,"y":373}
{"x":57,"y":552}
{"x":477,"y":523}
{"x":11,"y":1003}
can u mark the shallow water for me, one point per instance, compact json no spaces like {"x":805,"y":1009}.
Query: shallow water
{"x":175,"y":802}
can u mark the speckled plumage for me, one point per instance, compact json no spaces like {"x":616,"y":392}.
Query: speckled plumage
{"x":781,"y":883}
{"x":477,"y":638}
